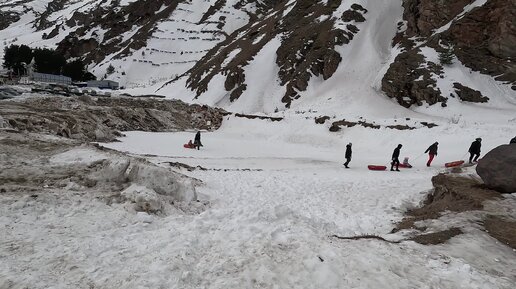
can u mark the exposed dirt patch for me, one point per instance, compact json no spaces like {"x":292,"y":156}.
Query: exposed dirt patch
{"x":200,"y":168}
{"x":462,"y":194}
{"x":429,"y":124}
{"x":400,"y":127}
{"x":436,"y":238}
{"x":321,"y":119}
{"x":424,"y":239}
{"x":249,"y":116}
{"x":337,"y":125}
{"x":102,"y":119}
{"x":502,"y":230}
{"x":451,"y":193}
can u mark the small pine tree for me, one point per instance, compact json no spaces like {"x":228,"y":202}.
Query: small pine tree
{"x":110,"y":69}
{"x":446,"y":57}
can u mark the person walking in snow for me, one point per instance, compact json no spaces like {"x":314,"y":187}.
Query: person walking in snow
{"x":348,"y":155}
{"x":197,"y":140}
{"x":474,"y":150}
{"x":432,"y":152}
{"x":513,"y":140}
{"x":396,"y":158}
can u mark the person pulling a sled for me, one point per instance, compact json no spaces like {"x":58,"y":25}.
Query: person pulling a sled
{"x":432,"y":152}
{"x":348,"y":155}
{"x":197,"y":140}
{"x":474,"y":150}
{"x":395,"y":158}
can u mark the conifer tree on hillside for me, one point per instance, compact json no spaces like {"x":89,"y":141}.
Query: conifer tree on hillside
{"x":15,"y":56}
{"x":446,"y":56}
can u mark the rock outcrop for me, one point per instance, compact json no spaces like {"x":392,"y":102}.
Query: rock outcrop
{"x":498,"y":169}
{"x":102,"y":119}
{"x":483,"y":39}
{"x":467,"y":94}
{"x":307,"y":49}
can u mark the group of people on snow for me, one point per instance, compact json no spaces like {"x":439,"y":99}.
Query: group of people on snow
{"x":474,"y":154}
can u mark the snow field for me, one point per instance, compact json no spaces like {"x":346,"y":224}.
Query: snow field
{"x":267,"y":228}
{"x":271,"y":228}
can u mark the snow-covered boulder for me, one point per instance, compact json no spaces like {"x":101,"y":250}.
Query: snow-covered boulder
{"x":498,"y":168}
{"x":122,"y":171}
{"x":145,"y":199}
{"x":163,"y":181}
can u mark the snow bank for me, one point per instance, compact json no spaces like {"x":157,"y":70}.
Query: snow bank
{"x":163,"y":181}
{"x":144,"y":198}
{"x":146,"y":180}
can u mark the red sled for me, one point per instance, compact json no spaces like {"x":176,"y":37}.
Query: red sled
{"x":454,"y":164}
{"x":405,"y":166}
{"x":376,"y":168}
{"x":189,"y":145}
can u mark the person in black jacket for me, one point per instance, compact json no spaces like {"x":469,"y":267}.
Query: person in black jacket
{"x":395,"y":158}
{"x":348,"y":155}
{"x":474,"y":150}
{"x":197,"y":140}
{"x":513,"y":140}
{"x":432,"y":152}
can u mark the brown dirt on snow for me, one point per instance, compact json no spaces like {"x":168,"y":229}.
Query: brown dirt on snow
{"x":459,"y":194}
{"x":451,"y":193}
{"x":502,"y":230}
{"x":436,"y":238}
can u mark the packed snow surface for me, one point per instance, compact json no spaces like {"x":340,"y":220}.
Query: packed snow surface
{"x":275,"y":193}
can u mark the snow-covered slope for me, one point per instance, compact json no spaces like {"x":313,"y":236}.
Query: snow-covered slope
{"x":337,"y":57}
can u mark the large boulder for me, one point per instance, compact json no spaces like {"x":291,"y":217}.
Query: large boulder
{"x":498,"y":168}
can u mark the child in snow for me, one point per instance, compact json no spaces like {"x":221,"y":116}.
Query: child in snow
{"x":189,"y":145}
{"x":406,"y":163}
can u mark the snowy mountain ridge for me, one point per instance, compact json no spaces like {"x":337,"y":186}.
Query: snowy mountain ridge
{"x":263,"y":56}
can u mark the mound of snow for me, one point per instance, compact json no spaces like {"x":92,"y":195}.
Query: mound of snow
{"x":160,"y":180}
{"x":163,"y":181}
{"x":145,"y":199}
{"x":85,"y":155}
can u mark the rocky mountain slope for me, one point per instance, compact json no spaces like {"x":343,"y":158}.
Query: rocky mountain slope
{"x":266,"y":55}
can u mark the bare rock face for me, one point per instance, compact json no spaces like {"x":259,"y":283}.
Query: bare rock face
{"x":498,"y":169}
{"x":467,"y":94}
{"x":410,"y":82}
{"x":483,"y":39}
{"x":309,"y":38}
{"x":6,"y":18}
{"x":116,"y":21}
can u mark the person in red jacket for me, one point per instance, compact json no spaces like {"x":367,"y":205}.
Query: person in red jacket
{"x":432,"y":152}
